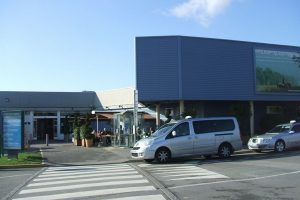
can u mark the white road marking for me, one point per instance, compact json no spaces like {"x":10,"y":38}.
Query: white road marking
{"x":95,"y":174}
{"x":236,"y":180}
{"x":90,"y":193}
{"x":182,"y":172}
{"x":148,"y":197}
{"x":84,"y":168}
{"x":84,"y":172}
{"x":90,"y":181}
{"x":199,"y":177}
{"x":186,"y":172}
{"x":89,"y":185}
{"x":86,"y":180}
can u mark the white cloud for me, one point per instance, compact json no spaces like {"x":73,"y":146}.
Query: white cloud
{"x":203,"y":11}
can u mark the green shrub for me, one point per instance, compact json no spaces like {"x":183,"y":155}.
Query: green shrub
{"x":85,"y":131}
{"x":76,"y":133}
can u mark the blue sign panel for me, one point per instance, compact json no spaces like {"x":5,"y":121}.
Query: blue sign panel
{"x":12,"y":130}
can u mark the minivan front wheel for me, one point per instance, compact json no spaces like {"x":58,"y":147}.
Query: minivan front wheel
{"x":225,"y":151}
{"x":163,"y":155}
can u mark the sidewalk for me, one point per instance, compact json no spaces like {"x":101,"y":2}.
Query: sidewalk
{"x":68,"y":154}
{"x":58,"y":154}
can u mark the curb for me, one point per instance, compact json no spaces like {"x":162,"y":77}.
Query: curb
{"x":242,"y":151}
{"x":167,"y":193}
{"x":22,"y":166}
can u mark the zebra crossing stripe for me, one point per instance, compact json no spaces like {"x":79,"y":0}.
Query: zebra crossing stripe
{"x":148,"y":197}
{"x":83,"y":176}
{"x":185,"y":172}
{"x":87,"y":167}
{"x":85,"y":170}
{"x":199,"y":177}
{"x":82,"y":194}
{"x":192,"y":174}
{"x":68,"y":187}
{"x":179,"y":172}
{"x":100,"y":178}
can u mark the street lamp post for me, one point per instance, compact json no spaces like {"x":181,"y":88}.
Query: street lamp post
{"x":135,"y":115}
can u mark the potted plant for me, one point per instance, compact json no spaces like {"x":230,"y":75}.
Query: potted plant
{"x":85,"y":134}
{"x":89,"y":140}
{"x":76,"y":135}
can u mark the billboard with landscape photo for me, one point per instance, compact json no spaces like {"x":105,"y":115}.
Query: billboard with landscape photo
{"x":277,"y":71}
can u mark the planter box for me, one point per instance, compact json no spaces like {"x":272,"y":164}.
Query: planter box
{"x":77,"y":142}
{"x":83,"y":142}
{"x":89,"y":142}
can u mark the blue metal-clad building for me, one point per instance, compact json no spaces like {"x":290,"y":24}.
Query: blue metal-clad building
{"x":214,"y":77}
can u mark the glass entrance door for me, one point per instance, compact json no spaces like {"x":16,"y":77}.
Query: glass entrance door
{"x":45,"y":126}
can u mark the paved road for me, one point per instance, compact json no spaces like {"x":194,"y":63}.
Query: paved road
{"x":95,"y":175}
{"x":12,"y":179}
{"x":248,"y":176}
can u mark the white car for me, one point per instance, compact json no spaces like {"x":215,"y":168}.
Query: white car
{"x":199,"y":136}
{"x":281,"y":137}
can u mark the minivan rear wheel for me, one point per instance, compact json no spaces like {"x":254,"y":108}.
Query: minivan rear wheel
{"x":163,"y":155}
{"x":225,"y":151}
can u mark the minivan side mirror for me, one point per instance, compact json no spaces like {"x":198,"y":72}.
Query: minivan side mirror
{"x":174,"y":133}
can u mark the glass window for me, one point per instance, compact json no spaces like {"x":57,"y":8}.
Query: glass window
{"x":296,"y":129}
{"x":207,"y":126}
{"x":280,"y":128}
{"x":182,"y":129}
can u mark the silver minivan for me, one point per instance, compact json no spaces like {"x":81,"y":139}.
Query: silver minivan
{"x":189,"y":137}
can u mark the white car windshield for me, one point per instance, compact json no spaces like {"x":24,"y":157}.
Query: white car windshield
{"x":162,"y":129}
{"x":280,"y":128}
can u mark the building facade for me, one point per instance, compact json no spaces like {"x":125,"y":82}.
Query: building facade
{"x":45,"y":112}
{"x":259,"y":83}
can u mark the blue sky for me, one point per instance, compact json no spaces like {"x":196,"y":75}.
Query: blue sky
{"x":76,"y":45}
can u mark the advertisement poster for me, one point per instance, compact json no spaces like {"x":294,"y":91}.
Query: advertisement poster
{"x":277,"y":71}
{"x":12,"y":130}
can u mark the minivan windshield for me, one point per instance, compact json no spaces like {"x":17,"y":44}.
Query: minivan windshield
{"x":162,"y":129}
{"x":280,"y":128}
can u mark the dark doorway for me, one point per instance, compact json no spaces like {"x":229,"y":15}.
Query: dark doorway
{"x":45,"y":126}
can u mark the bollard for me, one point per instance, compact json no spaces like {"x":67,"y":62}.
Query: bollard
{"x":47,"y":139}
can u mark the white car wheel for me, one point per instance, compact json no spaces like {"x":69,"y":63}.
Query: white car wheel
{"x":224,"y":151}
{"x":163,"y":155}
{"x":279,"y":146}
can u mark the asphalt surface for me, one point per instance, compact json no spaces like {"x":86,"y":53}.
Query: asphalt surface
{"x":11,"y":180}
{"x":59,"y":154}
{"x":245,"y":175}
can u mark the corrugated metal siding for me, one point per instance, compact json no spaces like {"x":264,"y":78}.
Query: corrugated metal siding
{"x":213,"y":70}
{"x":209,"y":69}
{"x":157,"y":68}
